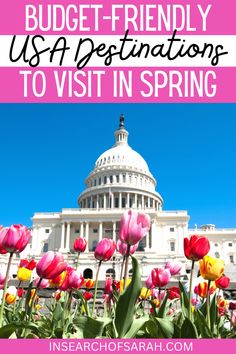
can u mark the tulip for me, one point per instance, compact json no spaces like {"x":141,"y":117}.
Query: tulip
{"x":105,"y":250}
{"x":24,"y":263}
{"x":57,"y":281}
{"x":173,"y":293}
{"x":196,"y":247}
{"x":233,"y":319}
{"x":80,"y":244}
{"x":160,"y":277}
{"x":24,"y":274}
{"x":144,"y":293}
{"x":43,"y":284}
{"x":123,"y":247}
{"x":148,"y":282}
{"x":75,"y":280}
{"x":202,"y":288}
{"x":59,"y":294}
{"x":222,"y":282}
{"x":122,"y":288}
{"x":89,"y":283}
{"x":64,"y":284}
{"x":87,"y":295}
{"x":158,"y":294}
{"x":15,"y":239}
{"x":232,"y":305}
{"x":11,"y":294}
{"x":2,"y":235}
{"x":211,"y":268}
{"x":174,"y":267}
{"x":51,"y":265}
{"x":2,"y":281}
{"x":20,"y":292}
{"x":133,"y":227}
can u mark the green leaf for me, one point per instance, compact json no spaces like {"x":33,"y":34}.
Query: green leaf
{"x":90,"y":328}
{"x":184,"y":300}
{"x":57,"y":313}
{"x":188,"y":329}
{"x":28,"y":298}
{"x":213,"y":313}
{"x":151,"y":329}
{"x":162,"y":309}
{"x":166,"y":327}
{"x":202,"y":326}
{"x":136,"y":326}
{"x":125,"y":308}
{"x":6,"y":331}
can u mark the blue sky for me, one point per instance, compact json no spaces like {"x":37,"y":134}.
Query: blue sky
{"x":46,"y":152}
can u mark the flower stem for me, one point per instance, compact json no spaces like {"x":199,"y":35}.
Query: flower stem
{"x":96,"y":288}
{"x":190,"y":291}
{"x":5,"y":288}
{"x":126,"y":266}
{"x":77,"y":263}
{"x":208,"y":304}
{"x":122,"y":268}
{"x":18,"y":287}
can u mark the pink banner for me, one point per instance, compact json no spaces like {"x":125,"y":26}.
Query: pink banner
{"x":220,"y":19}
{"x":102,"y":85}
{"x":141,"y":346}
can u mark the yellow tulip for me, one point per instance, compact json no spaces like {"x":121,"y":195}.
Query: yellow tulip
{"x":211,"y":268}
{"x":144,"y":293}
{"x":156,"y":302}
{"x":24,"y":274}
{"x":128,"y":281}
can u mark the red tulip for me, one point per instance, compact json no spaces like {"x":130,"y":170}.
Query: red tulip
{"x":108,"y":286}
{"x":105,"y":249}
{"x":160,"y":277}
{"x":174,"y":267}
{"x":173,"y":293}
{"x":24,"y":263}
{"x":80,"y":244}
{"x":196,"y":247}
{"x":20,"y":292}
{"x":122,"y":248}
{"x":89,"y":283}
{"x":87,"y":295}
{"x":133,"y":227}
{"x":64,"y":284}
{"x":232,"y":305}
{"x":51,"y":265}
{"x":15,"y":238}
{"x":222,"y":282}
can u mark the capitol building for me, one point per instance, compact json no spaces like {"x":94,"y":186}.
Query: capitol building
{"x":120,"y":180}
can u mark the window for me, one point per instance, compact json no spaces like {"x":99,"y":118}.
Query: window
{"x":105,"y":180}
{"x":217,"y":255}
{"x":172,"y":246}
{"x":123,"y":202}
{"x":94,"y":245}
{"x":116,"y":202}
{"x":88,"y":273}
{"x":230,"y":244}
{"x":110,"y":273}
{"x":99,"y":181}
{"x":216,"y":244}
{"x":111,"y":179}
{"x":124,"y":178}
{"x":117,"y":179}
{"x":95,"y":231}
{"x":231,"y":258}
{"x":45,"y":247}
{"x":47,"y":231}
{"x":172,"y":229}
{"x":77,"y":231}
{"x":95,"y":182}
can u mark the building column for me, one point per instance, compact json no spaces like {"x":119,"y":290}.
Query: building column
{"x":91,"y":202}
{"x":81,"y":229}
{"x":63,"y":229}
{"x":114,"y":231}
{"x":97,"y":202}
{"x":136,"y":201}
{"x":87,"y":234}
{"x":68,"y":237}
{"x":105,"y":201}
{"x":120,"y":200}
{"x":100,"y":231}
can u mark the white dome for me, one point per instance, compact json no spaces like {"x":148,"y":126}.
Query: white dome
{"x":123,"y":156}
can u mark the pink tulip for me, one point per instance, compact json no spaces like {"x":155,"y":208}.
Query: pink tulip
{"x":160,"y":295}
{"x":233,"y":318}
{"x":2,"y":235}
{"x":108,"y":286}
{"x":133,"y":227}
{"x":80,"y":244}
{"x":105,"y":249}
{"x":43,"y":284}
{"x":122,"y":248}
{"x":148,"y":282}
{"x":174,"y":267}
{"x":15,"y":238}
{"x":51,"y":265}
{"x":75,"y":280}
{"x":2,"y":281}
{"x":160,"y":277}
